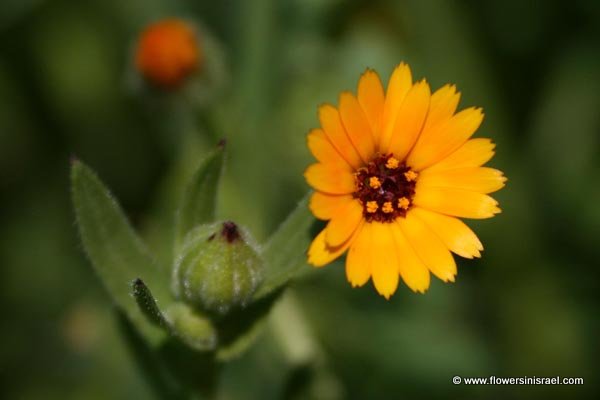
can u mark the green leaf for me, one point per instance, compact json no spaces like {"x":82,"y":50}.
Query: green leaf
{"x":116,"y":252}
{"x":285,"y":252}
{"x":147,"y":303}
{"x":180,"y":320}
{"x":199,"y":200}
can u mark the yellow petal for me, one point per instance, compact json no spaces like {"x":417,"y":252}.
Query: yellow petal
{"x":477,"y":179}
{"x":384,"y":260}
{"x":443,"y":105}
{"x":456,"y":202}
{"x":371,"y":98}
{"x":333,"y":128}
{"x":330,"y":179}
{"x":323,"y":150}
{"x":445,"y":138}
{"x":358,"y":265}
{"x":343,"y":223}
{"x":428,"y":246}
{"x":398,"y":86}
{"x":412,"y":269}
{"x":455,"y":234}
{"x":324,"y":206}
{"x":319,"y":254}
{"x":409,"y":120}
{"x":357,"y":126}
{"x":474,"y":153}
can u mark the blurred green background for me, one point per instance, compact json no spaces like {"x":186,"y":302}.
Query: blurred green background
{"x":529,"y":307}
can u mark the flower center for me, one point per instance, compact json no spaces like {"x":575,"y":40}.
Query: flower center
{"x":385,"y":188}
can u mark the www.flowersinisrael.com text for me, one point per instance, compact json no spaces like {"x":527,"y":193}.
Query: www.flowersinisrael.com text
{"x":521,"y":380}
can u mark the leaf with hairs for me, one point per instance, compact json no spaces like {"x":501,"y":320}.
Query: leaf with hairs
{"x":116,"y":252}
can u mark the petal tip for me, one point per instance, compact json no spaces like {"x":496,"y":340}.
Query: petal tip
{"x":368,"y":71}
{"x":306,"y":172}
{"x":344,"y":97}
{"x":386,"y":294}
{"x":402,"y":66}
{"x":310,"y":260}
{"x":385,"y":289}
{"x":356,"y":283}
{"x":324,"y":107}
{"x":420,"y":290}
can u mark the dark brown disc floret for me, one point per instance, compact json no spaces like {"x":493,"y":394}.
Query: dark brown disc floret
{"x":385,"y":188}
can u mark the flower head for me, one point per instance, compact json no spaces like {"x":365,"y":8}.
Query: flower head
{"x":168,"y":52}
{"x":395,"y":170}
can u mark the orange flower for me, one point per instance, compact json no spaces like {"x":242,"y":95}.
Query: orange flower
{"x":395,"y":169}
{"x":168,"y":52}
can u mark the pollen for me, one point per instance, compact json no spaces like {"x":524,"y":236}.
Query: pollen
{"x":403,"y":203}
{"x":387,"y":207}
{"x":372,"y":206}
{"x":379,"y":188}
{"x":374,"y":182}
{"x":392,"y":163}
{"x":410,"y":175}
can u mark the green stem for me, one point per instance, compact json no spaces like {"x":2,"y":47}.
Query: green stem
{"x":292,"y":330}
{"x":156,"y":376}
{"x":309,"y":373}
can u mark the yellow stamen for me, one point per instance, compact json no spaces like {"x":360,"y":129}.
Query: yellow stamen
{"x":392,"y":163}
{"x":403,"y":203}
{"x":372,"y":206}
{"x":387,"y":207}
{"x":410,"y":175}
{"x":374,"y":182}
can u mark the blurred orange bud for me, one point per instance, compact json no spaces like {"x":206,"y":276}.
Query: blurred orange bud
{"x":168,"y":52}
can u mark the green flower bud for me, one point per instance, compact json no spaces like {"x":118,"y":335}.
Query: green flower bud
{"x":217,"y":269}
